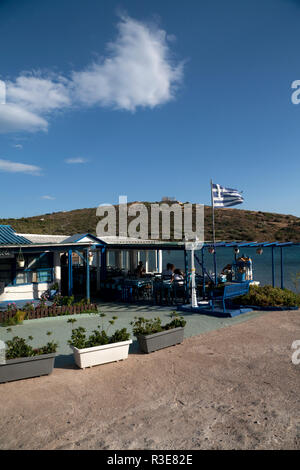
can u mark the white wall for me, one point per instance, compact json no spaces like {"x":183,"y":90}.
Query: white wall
{"x":24,"y":291}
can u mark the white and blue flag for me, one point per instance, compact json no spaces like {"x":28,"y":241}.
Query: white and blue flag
{"x":225,"y":197}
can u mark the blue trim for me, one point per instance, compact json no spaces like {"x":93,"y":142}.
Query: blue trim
{"x":273,"y":268}
{"x":103,"y":263}
{"x":281,"y":268}
{"x":186,"y":267}
{"x":80,"y":255}
{"x":79,"y":236}
{"x":88,"y":293}
{"x":70,"y":273}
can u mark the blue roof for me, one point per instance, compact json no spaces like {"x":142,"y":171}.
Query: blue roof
{"x":251,"y":244}
{"x":8,"y":237}
{"x":79,"y":236}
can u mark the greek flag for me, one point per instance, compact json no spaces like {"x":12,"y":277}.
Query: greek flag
{"x":225,"y":197}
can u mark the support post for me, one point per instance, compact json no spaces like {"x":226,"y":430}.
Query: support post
{"x":203,"y":271}
{"x":193,"y":271}
{"x":88,"y":293}
{"x":57,"y":269}
{"x":186,"y":268}
{"x":213,"y":230}
{"x":147,"y":261}
{"x":70,"y":273}
{"x":132,"y":260}
{"x":281,"y":268}
{"x":98,"y":269}
{"x":103,"y":263}
{"x":273,"y":268}
{"x":160,"y":261}
{"x":118,"y":259}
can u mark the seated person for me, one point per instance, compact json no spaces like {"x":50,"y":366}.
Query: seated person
{"x":227,"y":271}
{"x":178,"y":275}
{"x":140,"y":270}
{"x":168,"y":273}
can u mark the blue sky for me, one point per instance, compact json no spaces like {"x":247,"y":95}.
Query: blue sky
{"x":148,"y":99}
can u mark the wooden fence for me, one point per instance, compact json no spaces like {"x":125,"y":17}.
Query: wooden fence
{"x":49,"y":311}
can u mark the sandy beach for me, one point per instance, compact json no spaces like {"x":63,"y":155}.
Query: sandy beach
{"x":234,"y":388}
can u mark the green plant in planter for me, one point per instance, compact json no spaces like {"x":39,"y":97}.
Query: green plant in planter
{"x":143,"y":326}
{"x":98,"y":337}
{"x":18,"y":347}
{"x":177,"y":322}
{"x":119,"y":336}
{"x":28,"y":307}
{"x":68,"y":300}
{"x":11,"y":307}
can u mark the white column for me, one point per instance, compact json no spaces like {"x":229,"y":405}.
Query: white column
{"x":98,"y":269}
{"x":57,"y":268}
{"x":118,"y":258}
{"x":155,"y":261}
{"x":126,"y":260}
{"x":160,"y":261}
{"x":147,"y":261}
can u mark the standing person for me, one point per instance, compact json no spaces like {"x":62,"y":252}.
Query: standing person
{"x":140,"y":270}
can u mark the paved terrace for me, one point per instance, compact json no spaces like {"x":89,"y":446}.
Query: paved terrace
{"x":61,"y":330}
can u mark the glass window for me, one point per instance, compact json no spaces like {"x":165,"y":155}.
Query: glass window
{"x":44,"y":275}
{"x":23,"y":277}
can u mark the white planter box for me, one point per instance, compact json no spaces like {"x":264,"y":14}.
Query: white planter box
{"x":90,"y":357}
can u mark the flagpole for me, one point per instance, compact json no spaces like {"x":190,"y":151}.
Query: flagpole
{"x":213,"y":229}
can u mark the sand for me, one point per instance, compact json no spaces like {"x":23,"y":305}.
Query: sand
{"x":234,"y":388}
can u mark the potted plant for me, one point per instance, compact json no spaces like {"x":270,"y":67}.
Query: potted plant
{"x":22,"y":361}
{"x":152,"y":335}
{"x":20,"y":259}
{"x":99,"y":347}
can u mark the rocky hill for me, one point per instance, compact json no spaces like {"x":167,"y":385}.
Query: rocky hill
{"x":231,"y":224}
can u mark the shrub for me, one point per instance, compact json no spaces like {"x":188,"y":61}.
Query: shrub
{"x":143,"y":326}
{"x":18,"y":347}
{"x":268,"y":296}
{"x":98,"y":337}
{"x":29,"y":307}
{"x":17,"y":319}
{"x":60,"y":301}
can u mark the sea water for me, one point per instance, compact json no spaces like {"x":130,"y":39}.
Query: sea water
{"x":262,"y":264}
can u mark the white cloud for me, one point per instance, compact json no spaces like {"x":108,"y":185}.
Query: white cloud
{"x":138,"y":71}
{"x":50,"y":198}
{"x":14,"y":118}
{"x":74,"y":161}
{"x":15,"y":167}
{"x":38,"y":94}
{"x":17,"y":146}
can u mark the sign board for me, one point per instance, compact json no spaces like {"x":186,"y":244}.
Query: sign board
{"x":6,"y":254}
